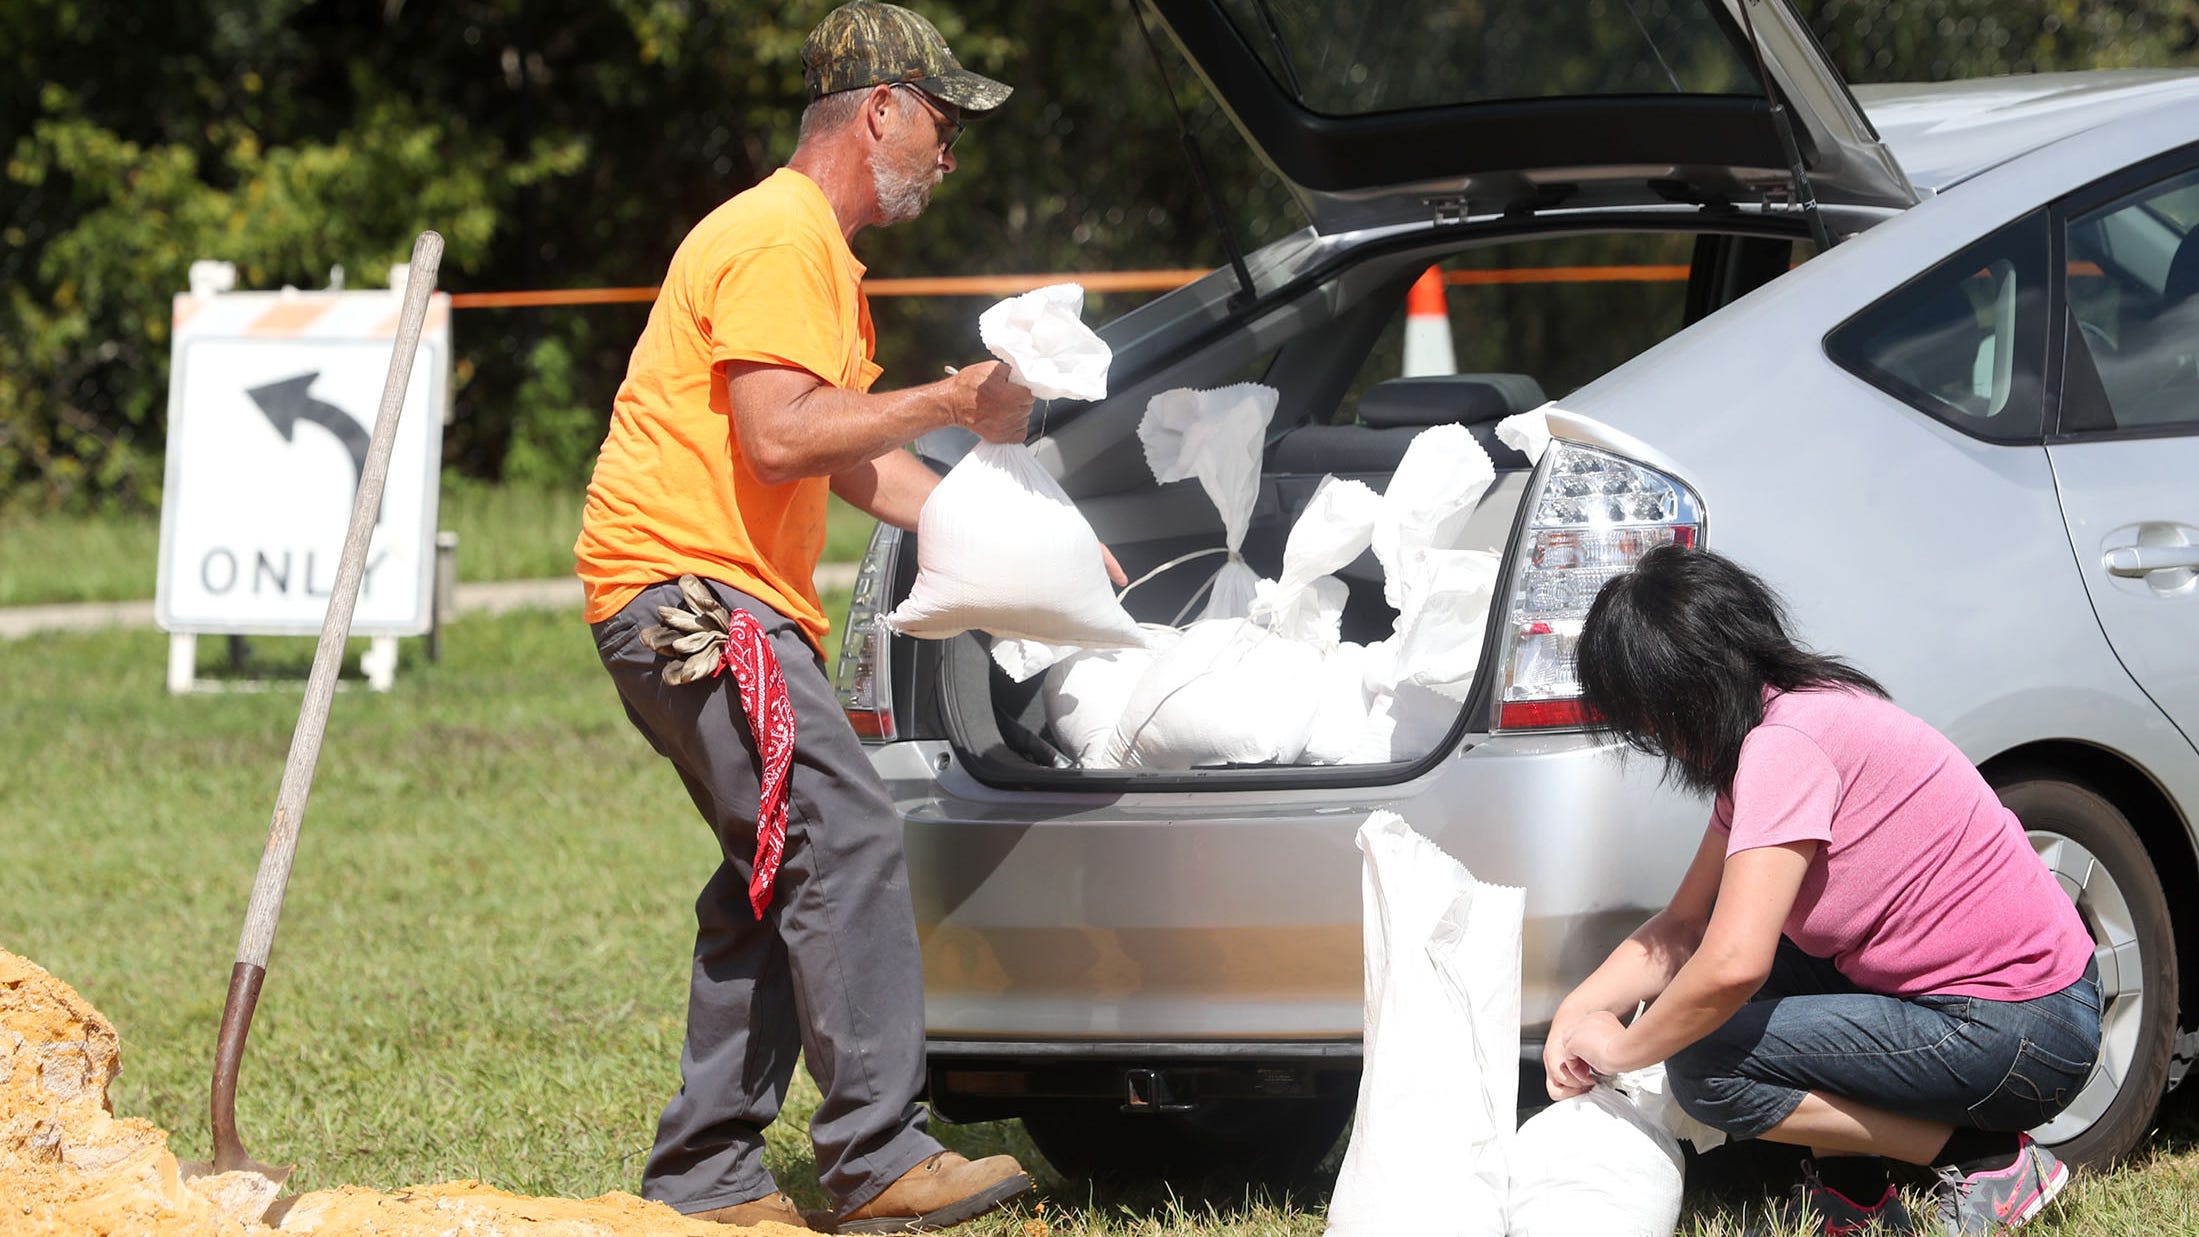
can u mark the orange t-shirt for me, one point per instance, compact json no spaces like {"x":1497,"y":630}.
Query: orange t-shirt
{"x":767,"y":277}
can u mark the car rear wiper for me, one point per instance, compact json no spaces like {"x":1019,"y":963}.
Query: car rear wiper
{"x":1781,"y":123}
{"x":1245,"y":293}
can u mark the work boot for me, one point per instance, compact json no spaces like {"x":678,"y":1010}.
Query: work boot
{"x":945,"y":1189}
{"x":776,"y":1208}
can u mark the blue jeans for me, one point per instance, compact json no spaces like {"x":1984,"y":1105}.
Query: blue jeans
{"x":1964,"y":1061}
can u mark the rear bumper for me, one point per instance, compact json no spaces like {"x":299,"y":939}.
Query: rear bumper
{"x":1183,"y":918}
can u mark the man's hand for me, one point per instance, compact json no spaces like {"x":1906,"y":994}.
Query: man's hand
{"x":1114,"y":569}
{"x":994,"y":408}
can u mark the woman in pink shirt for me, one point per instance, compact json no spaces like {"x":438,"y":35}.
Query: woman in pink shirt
{"x":1865,"y":957}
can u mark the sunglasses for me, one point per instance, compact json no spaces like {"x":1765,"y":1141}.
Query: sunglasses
{"x":950,"y":131}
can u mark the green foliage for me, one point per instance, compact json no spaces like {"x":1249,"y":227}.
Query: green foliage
{"x":573,"y":145}
{"x":554,"y":436}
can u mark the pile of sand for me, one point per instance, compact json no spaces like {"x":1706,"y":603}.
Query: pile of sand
{"x":69,"y":1168}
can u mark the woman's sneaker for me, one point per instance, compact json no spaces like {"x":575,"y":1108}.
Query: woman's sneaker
{"x":1814,"y":1207}
{"x":1998,"y":1198}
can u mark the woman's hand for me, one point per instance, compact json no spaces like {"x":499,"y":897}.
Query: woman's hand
{"x":1564,"y":1074}
{"x":1590,"y":1041}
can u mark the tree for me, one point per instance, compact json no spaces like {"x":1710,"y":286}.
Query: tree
{"x":571,"y":143}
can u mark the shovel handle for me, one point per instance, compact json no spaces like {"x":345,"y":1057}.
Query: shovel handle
{"x":273,"y":878}
{"x":320,"y":686}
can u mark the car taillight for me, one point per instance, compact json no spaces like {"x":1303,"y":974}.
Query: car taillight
{"x":865,"y":672}
{"x":1592,"y":516}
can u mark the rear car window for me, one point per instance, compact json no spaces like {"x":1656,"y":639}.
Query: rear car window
{"x":1964,"y":342}
{"x":1358,"y":59}
{"x":2134,"y":289}
{"x":1563,"y":311}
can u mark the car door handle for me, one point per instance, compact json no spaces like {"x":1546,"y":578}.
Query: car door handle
{"x":2132,"y":561}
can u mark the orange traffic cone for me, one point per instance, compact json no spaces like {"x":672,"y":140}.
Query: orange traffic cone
{"x":1428,"y":327}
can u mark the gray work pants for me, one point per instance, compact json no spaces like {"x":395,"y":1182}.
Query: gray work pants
{"x":831,"y":969}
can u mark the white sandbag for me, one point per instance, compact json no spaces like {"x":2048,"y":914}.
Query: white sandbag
{"x":1048,"y":349}
{"x":1335,"y":528}
{"x":1229,"y":692}
{"x":1085,"y":693}
{"x":1428,"y":501}
{"x":1340,"y":706}
{"x":1598,"y":1164}
{"x":1439,"y":636}
{"x":1020,"y":659}
{"x":1440,"y":1081}
{"x":1001,"y":549}
{"x":1405,"y":720}
{"x":1651,"y":1092}
{"x":1217,"y":437}
{"x":1526,"y":432}
{"x":1312,"y":614}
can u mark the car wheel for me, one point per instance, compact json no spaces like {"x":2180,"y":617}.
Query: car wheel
{"x":1275,"y":1143}
{"x":2097,"y":858}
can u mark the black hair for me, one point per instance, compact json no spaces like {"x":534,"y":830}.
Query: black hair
{"x":1675,"y":655}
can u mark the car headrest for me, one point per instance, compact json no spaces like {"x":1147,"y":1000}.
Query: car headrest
{"x":2183,"y":271}
{"x":1466,"y":399}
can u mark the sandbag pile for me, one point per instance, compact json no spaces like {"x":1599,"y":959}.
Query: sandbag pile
{"x":1264,"y":675}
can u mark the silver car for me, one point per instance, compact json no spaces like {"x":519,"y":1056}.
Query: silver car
{"x":1962,"y":436}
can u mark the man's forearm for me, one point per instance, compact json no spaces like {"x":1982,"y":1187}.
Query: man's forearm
{"x":890,"y":488}
{"x":826,"y":431}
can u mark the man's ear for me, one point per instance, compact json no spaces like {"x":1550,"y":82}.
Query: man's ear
{"x":878,"y":110}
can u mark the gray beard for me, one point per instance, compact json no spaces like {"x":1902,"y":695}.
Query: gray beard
{"x":901,"y":197}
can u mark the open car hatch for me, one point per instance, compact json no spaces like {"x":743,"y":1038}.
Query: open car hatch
{"x":1388,"y":113}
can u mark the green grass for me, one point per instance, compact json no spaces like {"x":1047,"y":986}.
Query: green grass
{"x":482,"y":960}
{"x":505,"y":532}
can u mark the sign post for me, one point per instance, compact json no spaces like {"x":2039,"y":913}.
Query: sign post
{"x":271,"y":396}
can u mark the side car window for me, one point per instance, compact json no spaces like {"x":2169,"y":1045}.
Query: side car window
{"x":1964,"y":342}
{"x":2134,"y":289}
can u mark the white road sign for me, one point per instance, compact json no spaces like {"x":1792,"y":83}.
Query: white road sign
{"x":271,"y":403}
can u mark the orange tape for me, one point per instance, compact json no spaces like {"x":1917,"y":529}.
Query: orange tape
{"x":1094,"y":281}
{"x":1570,"y":274}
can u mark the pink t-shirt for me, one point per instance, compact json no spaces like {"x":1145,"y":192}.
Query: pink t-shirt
{"x":1925,"y":884}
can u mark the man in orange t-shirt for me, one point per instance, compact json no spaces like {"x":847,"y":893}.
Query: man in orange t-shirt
{"x":746,"y":400}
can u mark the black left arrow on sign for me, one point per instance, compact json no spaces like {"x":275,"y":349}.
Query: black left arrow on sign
{"x":287,"y":402}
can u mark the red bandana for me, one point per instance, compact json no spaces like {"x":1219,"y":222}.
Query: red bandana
{"x":770,"y":716}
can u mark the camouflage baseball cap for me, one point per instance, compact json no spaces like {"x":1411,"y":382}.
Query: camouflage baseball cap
{"x":865,"y":44}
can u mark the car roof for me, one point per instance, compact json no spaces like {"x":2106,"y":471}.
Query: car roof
{"x":1944,"y":133}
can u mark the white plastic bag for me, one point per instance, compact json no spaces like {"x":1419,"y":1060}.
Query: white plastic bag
{"x":1428,"y":501}
{"x":1595,"y":1163}
{"x":1085,"y":693}
{"x":1042,"y":337}
{"x":1229,"y":692}
{"x":1000,"y":549}
{"x":1440,"y":1084}
{"x":1217,"y":437}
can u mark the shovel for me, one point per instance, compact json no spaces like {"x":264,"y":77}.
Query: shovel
{"x":305,"y":742}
